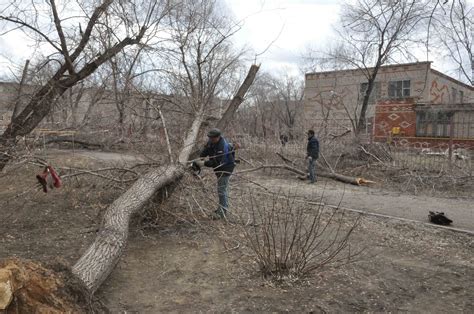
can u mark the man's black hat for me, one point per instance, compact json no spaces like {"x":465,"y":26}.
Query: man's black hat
{"x":214,"y":133}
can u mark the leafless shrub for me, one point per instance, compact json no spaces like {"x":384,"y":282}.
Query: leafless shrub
{"x":290,"y":239}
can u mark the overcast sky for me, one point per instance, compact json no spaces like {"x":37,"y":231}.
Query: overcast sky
{"x":287,"y":27}
{"x":295,"y":25}
{"x":279,"y":30}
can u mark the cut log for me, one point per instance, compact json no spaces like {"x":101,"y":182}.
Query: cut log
{"x":345,"y":179}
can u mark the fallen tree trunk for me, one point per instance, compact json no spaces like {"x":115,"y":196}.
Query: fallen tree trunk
{"x":56,"y":140}
{"x":100,"y":258}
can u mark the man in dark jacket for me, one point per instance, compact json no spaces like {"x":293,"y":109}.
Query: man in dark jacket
{"x":312,"y":154}
{"x":222,"y":159}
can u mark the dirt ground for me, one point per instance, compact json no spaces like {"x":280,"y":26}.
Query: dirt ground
{"x":206,"y":266}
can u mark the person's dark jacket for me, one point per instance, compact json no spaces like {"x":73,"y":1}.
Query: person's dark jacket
{"x":222,"y":166}
{"x":312,"y":149}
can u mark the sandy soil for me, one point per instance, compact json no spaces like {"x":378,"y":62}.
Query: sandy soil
{"x":207,"y":266}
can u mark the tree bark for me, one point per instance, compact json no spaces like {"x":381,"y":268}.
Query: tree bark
{"x":100,"y":258}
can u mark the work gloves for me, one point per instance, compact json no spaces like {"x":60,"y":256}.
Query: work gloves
{"x":198,"y":163}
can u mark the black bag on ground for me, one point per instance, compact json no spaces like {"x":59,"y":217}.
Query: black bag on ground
{"x":439,"y":218}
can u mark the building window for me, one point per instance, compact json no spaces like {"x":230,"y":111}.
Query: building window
{"x":454,"y":94}
{"x":461,"y":96}
{"x":433,"y":123}
{"x":399,"y":89}
{"x":374,"y":95}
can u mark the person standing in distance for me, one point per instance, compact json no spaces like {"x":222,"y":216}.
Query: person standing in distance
{"x":312,"y":154}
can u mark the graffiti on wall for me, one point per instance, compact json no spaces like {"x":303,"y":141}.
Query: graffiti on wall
{"x":439,"y":92}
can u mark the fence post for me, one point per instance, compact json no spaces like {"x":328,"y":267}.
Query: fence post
{"x":451,"y":135}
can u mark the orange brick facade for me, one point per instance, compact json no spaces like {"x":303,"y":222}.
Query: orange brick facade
{"x":395,"y":122}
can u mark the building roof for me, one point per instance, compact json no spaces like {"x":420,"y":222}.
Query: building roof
{"x":423,"y":63}
{"x":382,"y":67}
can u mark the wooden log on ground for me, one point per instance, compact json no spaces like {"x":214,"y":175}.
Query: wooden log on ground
{"x":345,"y":179}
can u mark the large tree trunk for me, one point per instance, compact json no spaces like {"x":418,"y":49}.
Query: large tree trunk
{"x":100,"y":258}
{"x":43,"y":100}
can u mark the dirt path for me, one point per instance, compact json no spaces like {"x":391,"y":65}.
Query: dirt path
{"x":375,"y":200}
{"x":370,"y":199}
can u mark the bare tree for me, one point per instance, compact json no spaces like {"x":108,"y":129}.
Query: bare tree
{"x":454,"y":29}
{"x":373,"y":33}
{"x":288,"y":103}
{"x":76,"y":51}
{"x":275,"y":106}
{"x":200,"y":61}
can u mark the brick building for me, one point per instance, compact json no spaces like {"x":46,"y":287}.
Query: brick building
{"x":410,"y":103}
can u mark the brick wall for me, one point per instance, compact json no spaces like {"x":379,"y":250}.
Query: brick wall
{"x":400,"y":116}
{"x":390,"y":114}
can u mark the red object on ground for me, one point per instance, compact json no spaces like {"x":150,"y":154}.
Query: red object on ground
{"x":49,"y":178}
{"x":56,"y":179}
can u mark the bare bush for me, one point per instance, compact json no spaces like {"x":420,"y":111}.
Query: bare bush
{"x":291,"y":240}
